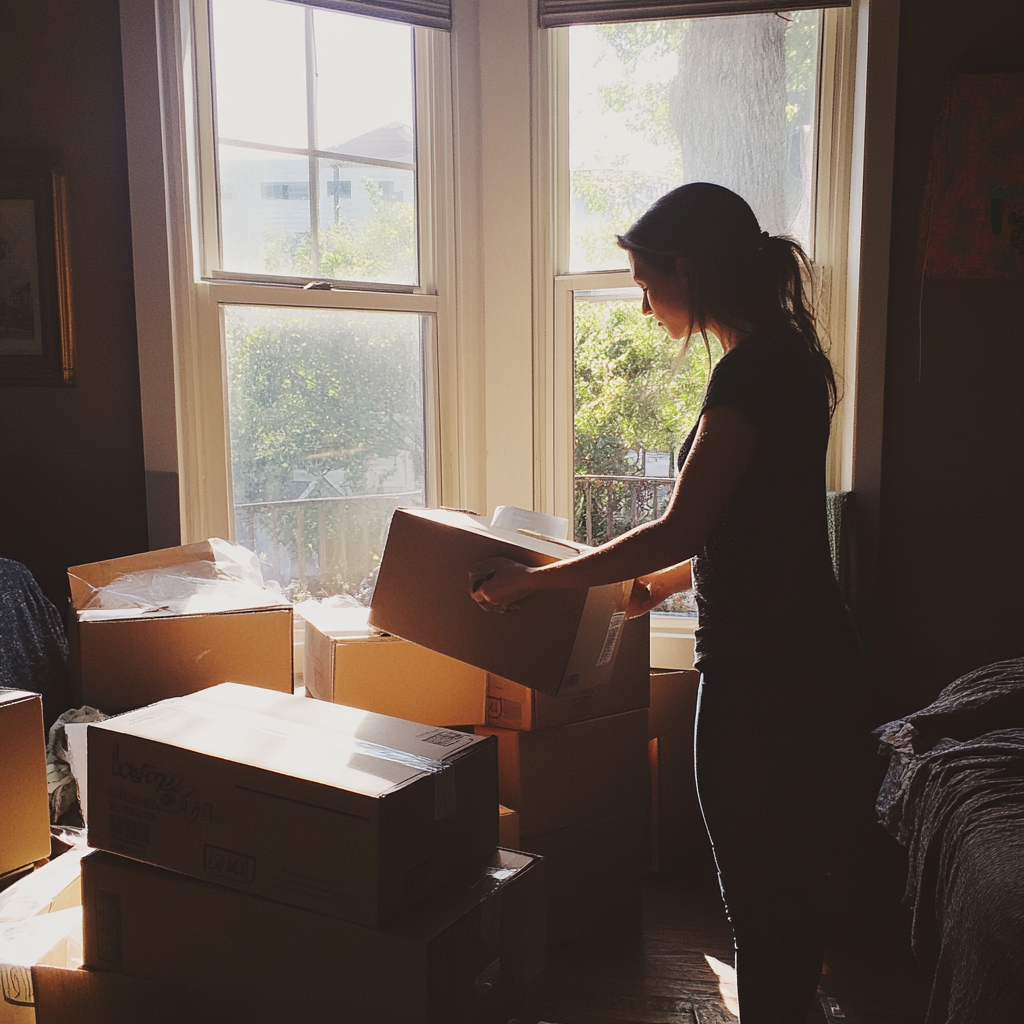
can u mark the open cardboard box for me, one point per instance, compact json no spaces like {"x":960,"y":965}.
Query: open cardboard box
{"x":321,"y":806}
{"x":557,"y":638}
{"x":24,"y":803}
{"x":256,"y":960}
{"x":348,"y":662}
{"x":514,"y":706}
{"x":126,"y":657}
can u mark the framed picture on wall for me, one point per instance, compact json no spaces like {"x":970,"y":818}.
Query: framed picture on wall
{"x":36,"y":342}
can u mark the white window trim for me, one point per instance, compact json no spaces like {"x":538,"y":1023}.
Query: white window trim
{"x":495,"y":378}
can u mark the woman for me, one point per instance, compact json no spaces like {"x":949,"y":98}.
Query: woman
{"x":746,"y":527}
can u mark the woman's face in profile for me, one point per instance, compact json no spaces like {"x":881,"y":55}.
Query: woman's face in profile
{"x":666,"y":297}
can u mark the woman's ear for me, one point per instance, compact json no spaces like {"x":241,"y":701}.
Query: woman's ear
{"x":683,"y":266}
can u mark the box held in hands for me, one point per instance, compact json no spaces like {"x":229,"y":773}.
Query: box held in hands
{"x":557,"y":638}
{"x":322,"y":806}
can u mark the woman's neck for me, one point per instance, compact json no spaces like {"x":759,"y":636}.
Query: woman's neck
{"x":729,"y":337}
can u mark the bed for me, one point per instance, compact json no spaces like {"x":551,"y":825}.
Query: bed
{"x":953,"y":796}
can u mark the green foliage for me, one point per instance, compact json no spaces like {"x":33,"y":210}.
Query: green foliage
{"x":319,"y":391}
{"x":383,"y":248}
{"x":632,"y":390}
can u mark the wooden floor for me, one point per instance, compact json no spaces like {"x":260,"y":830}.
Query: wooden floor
{"x":667,"y":974}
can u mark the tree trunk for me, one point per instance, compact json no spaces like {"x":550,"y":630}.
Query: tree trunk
{"x":728,"y":108}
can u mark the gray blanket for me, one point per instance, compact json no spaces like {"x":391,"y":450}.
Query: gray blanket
{"x":954,"y":797}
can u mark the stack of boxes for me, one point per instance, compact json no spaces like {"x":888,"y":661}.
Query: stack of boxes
{"x":567,"y":685}
{"x":277,"y":857}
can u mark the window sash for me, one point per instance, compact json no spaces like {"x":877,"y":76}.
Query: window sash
{"x":562,"y":13}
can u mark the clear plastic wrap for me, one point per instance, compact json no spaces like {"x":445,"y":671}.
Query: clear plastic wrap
{"x":231,"y":580}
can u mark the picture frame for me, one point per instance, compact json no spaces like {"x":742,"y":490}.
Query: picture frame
{"x":36,"y":337}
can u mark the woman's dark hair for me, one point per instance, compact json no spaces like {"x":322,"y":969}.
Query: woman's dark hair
{"x":738,"y":275}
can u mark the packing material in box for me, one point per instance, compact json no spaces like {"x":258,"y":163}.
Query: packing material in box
{"x":167,"y":623}
{"x":322,"y":806}
{"x":513,"y":706}
{"x":593,"y":873}
{"x":557,"y":638}
{"x":24,"y":803}
{"x":347,"y":661}
{"x":573,"y":773}
{"x":255,"y":960}
{"x":673,"y":702}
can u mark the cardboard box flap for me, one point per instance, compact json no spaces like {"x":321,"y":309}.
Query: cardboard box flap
{"x":347,"y":749}
{"x":54,"y":886}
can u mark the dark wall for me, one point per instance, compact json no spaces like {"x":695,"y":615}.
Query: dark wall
{"x":952,"y":514}
{"x":71,"y":467}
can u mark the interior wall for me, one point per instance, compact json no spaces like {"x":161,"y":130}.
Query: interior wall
{"x":72,"y":486}
{"x":952,"y":505}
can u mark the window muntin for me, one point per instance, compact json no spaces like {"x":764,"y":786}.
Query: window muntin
{"x":653,"y":105}
{"x":316,"y":157}
{"x":327,"y":437}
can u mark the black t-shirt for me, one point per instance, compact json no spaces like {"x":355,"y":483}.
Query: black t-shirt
{"x":764,"y":583}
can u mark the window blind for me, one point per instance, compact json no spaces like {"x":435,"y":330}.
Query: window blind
{"x":555,"y":13}
{"x":426,"y":13}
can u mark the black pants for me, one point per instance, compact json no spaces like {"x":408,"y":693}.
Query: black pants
{"x":770,"y":748}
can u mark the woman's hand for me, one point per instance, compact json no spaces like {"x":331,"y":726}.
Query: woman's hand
{"x":649,"y":591}
{"x":499,"y":584}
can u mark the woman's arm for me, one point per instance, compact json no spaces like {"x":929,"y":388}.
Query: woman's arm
{"x":721,"y":452}
{"x":649,"y":591}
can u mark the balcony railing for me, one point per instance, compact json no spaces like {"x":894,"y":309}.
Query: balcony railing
{"x":333,"y":542}
{"x":607,"y":506}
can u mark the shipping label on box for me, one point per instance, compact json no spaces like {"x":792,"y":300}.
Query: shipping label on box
{"x":557,"y":638}
{"x":167,"y":623}
{"x":513,"y":706}
{"x":319,"y":805}
{"x":24,"y":802}
{"x":264,"y":961}
{"x":388,"y":675}
{"x":573,"y":773}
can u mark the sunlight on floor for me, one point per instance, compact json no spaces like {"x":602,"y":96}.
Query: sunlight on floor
{"x":726,"y":984}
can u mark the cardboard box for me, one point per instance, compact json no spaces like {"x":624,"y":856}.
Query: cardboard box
{"x":125,"y":658}
{"x":558,"y":638}
{"x":24,"y":803}
{"x":593,"y":872}
{"x":322,"y":806}
{"x":676,"y":822}
{"x":349,"y":662}
{"x":508,"y":828}
{"x":573,"y":773}
{"x":673,"y":702}
{"x":514,"y":706}
{"x":256,"y":960}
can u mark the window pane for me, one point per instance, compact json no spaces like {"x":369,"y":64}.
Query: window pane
{"x":260,"y":68}
{"x":327,"y":438}
{"x":635,"y":401}
{"x":653,"y":105}
{"x":264,"y":211}
{"x":315,"y":82}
